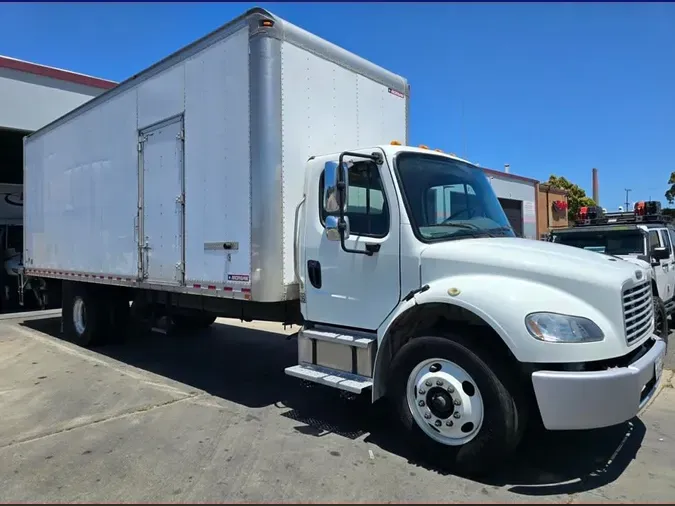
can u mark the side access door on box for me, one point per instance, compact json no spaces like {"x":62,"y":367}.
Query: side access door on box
{"x":161,"y":208}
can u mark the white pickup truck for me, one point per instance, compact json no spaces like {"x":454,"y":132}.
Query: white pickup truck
{"x":251,"y":175}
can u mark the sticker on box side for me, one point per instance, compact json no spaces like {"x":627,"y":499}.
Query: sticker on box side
{"x":238,"y":277}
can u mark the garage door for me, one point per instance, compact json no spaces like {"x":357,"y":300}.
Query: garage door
{"x":514,"y":212}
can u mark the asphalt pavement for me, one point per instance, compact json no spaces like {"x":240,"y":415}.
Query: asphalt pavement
{"x":211,"y":417}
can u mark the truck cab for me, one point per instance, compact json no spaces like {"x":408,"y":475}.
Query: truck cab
{"x":643,"y":236}
{"x":414,"y":287}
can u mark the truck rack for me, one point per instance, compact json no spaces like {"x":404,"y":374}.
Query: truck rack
{"x":643,"y":212}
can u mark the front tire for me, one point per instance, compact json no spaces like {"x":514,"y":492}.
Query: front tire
{"x":660,"y":319}
{"x":463,"y":408}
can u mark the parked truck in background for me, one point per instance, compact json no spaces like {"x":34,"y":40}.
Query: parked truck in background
{"x":251,"y":175}
{"x":643,"y":236}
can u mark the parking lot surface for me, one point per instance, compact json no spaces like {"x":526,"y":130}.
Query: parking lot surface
{"x":211,"y":417}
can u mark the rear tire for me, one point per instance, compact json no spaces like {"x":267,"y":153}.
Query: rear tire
{"x":83,"y":315}
{"x":461,"y":407}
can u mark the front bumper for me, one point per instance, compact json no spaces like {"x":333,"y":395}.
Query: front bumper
{"x":592,"y":399}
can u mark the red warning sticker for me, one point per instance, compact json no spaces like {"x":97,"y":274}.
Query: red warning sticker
{"x":396,"y":93}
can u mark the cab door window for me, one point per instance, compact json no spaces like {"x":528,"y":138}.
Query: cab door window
{"x":367,"y":208}
{"x":654,"y":239}
{"x":666,"y":242}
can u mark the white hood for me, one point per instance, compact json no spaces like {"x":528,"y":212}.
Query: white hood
{"x":563,"y":266}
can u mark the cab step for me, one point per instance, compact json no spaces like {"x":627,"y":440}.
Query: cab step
{"x":348,"y":351}
{"x":358,"y":340}
{"x":353,"y":383}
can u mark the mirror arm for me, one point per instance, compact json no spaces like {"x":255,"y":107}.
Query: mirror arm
{"x":379,"y":160}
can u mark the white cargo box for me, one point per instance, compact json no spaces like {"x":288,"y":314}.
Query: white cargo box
{"x":187,"y":176}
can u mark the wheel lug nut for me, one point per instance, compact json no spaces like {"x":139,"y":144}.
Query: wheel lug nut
{"x":421,"y":403}
{"x":449,"y":423}
{"x":437,"y":423}
{"x":456,"y":415}
{"x":451,"y":390}
{"x":422,"y":391}
{"x":457,"y":402}
{"x":427,"y":415}
{"x":427,"y":383}
{"x":439,"y":383}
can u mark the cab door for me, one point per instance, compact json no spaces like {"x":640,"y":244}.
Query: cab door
{"x":661,"y":267}
{"x":351,"y":288}
{"x":668,"y":265}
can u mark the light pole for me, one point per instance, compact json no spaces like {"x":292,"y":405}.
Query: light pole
{"x":627,"y":203}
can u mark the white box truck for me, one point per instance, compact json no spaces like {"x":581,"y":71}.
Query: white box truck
{"x":252,"y":175}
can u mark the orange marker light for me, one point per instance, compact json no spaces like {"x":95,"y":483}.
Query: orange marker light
{"x":422,"y":146}
{"x":395,"y":143}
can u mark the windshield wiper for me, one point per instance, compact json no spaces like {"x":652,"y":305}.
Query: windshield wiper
{"x":501,"y":229}
{"x":474,"y":230}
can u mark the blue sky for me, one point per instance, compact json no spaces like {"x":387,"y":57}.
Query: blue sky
{"x":548,"y":88}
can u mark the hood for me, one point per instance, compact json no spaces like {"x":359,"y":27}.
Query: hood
{"x":636,"y":261}
{"x":567,"y":267}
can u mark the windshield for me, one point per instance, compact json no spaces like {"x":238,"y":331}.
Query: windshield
{"x":611,"y":242}
{"x":449,"y":199}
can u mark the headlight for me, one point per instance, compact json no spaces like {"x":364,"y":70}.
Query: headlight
{"x":560,"y":328}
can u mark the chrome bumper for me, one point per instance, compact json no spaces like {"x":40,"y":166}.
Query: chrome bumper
{"x":592,"y":399}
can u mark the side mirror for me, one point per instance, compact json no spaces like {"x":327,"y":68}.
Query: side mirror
{"x":332,"y":229}
{"x":660,"y":253}
{"x":330,"y":192}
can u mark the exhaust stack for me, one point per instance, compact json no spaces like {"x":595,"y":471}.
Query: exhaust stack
{"x":596,"y":191}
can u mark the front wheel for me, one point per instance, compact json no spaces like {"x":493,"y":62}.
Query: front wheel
{"x":465,"y":409}
{"x":660,"y":319}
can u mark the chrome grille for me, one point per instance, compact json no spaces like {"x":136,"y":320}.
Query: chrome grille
{"x":638,"y":311}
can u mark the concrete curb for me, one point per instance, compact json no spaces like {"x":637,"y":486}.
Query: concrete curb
{"x":30,"y":314}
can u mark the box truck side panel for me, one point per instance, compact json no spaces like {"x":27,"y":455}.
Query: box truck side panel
{"x":328,"y":107}
{"x":82,"y":177}
{"x":81,"y":192}
{"x":217,"y":158}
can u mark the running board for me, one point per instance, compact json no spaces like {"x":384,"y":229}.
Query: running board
{"x":330,"y":377}
{"x":352,"y":352}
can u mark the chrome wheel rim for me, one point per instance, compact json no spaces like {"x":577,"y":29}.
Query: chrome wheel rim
{"x":445,"y":401}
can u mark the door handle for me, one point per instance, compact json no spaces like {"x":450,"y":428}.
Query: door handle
{"x":314,"y":273}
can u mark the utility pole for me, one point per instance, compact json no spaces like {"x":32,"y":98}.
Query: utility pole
{"x":627,"y":203}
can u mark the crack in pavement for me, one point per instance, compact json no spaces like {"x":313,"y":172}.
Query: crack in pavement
{"x":103,"y":419}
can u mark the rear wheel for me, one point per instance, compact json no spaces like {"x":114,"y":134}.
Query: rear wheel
{"x":465,"y":410}
{"x":83,"y":315}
